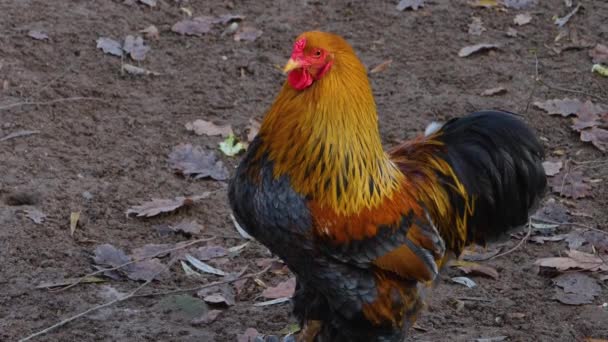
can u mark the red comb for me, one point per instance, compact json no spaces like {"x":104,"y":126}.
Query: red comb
{"x":298,"y":47}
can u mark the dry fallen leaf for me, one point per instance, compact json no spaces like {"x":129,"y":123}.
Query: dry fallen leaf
{"x":109,"y":46}
{"x":151,"y":32}
{"x":574,"y":260}
{"x":469,"y":267}
{"x":253,"y":129}
{"x":159,"y":206}
{"x":563,"y":107}
{"x":193,"y":27}
{"x":576,"y":288}
{"x":144,"y":270}
{"x":203,"y":267}
{"x":135,"y":70}
{"x":17,"y":134}
{"x":560,"y":22}
{"x":151,"y":3}
{"x":108,"y":255}
{"x":228,"y":18}
{"x":134,"y":46}
{"x":197,"y":162}
{"x":519,"y":4}
{"x":381,"y":67}
{"x":522,"y":19}
{"x":483,"y":3}
{"x":476,"y":27}
{"x":597,"y":136}
{"x":38,"y":35}
{"x":74,"y":217}
{"x":571,"y":184}
{"x":150,"y":250}
{"x":494,"y":91}
{"x":283,"y":289}
{"x":248,"y":34}
{"x":588,"y":115}
{"x":201,"y":127}
{"x":188,"y":227}
{"x":554,"y":211}
{"x":464,"y":281}
{"x":410,"y":4}
{"x":207,"y":253}
{"x":35,"y":215}
{"x":552,"y":168}
{"x":469,"y":50}
{"x":599,"y":54}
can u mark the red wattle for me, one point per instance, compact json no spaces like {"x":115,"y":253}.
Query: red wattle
{"x":299,"y":79}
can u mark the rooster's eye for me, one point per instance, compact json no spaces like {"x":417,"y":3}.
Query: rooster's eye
{"x":317,"y":53}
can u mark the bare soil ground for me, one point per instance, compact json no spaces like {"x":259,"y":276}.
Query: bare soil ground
{"x":100,"y":156}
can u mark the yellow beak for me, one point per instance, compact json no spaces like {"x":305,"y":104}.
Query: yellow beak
{"x":291,"y":65}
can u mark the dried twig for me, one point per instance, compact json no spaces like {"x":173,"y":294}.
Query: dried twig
{"x":580,"y":225}
{"x":133,"y":294}
{"x":574,"y":91}
{"x":205,"y":286}
{"x":95,"y":308}
{"x":43,"y":103}
{"x":166,"y":251}
{"x":521,"y":242}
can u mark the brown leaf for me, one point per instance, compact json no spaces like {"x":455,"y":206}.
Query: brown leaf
{"x":597,"y":136}
{"x":193,"y":27}
{"x":109,"y":46}
{"x":469,"y":50}
{"x":188,"y":227}
{"x":574,"y":260}
{"x":578,"y":288}
{"x":207,"y":318}
{"x":522,"y":19}
{"x":220,"y":295}
{"x":476,"y":27}
{"x":134,"y":46}
{"x":38,"y":35}
{"x":475,"y":268}
{"x":158,"y":206}
{"x":599,"y":54}
{"x":206,"y":253}
{"x":201,"y":127}
{"x":149,"y":250}
{"x":570,"y":184}
{"x":253,"y":129}
{"x":381,"y":67}
{"x":553,"y":210}
{"x":197,"y":162}
{"x":588,"y":116}
{"x":144,"y":270}
{"x":247,"y":33}
{"x":283,"y":289}
{"x":109,"y":255}
{"x":565,"y":107}
{"x":552,"y":168}
{"x":410,"y":4}
{"x":494,"y":91}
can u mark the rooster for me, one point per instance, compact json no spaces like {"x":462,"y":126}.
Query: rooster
{"x":366,"y":231}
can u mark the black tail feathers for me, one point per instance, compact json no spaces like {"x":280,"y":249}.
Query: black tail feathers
{"x":498,"y":159}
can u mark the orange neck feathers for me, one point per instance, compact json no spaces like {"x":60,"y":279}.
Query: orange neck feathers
{"x":326,"y":139}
